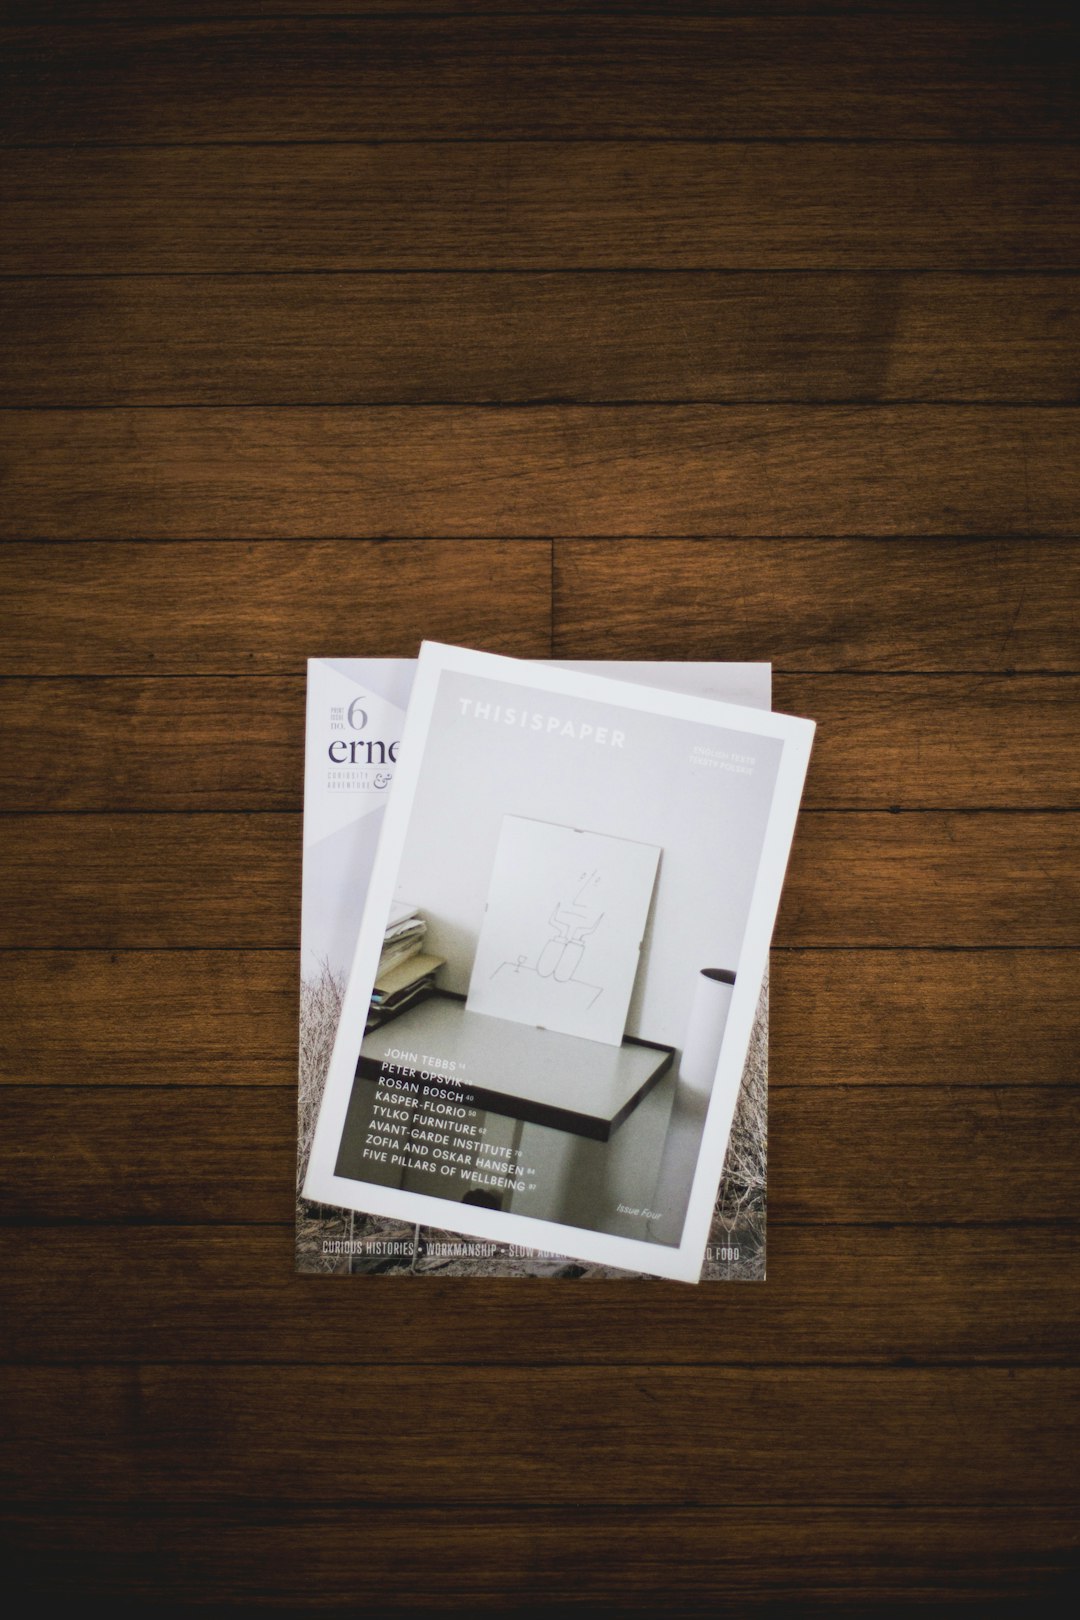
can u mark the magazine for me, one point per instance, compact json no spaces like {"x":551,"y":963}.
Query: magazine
{"x":355,"y":711}
{"x":585,"y":873}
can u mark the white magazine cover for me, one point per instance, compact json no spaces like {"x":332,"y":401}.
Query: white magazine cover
{"x":355,"y":711}
{"x":576,"y":841}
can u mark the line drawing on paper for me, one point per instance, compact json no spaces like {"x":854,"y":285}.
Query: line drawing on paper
{"x":571,"y":922}
{"x":559,"y":940}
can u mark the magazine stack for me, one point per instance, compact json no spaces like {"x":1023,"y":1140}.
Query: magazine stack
{"x":538,"y":901}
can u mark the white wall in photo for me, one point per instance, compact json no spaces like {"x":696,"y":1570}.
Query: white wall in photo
{"x":699,"y":793}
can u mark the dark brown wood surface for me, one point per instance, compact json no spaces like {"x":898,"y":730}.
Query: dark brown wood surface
{"x":529,"y":77}
{"x":490,"y":205}
{"x":728,"y":330}
{"x":604,"y":338}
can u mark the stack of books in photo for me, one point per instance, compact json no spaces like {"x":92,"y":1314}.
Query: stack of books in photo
{"x":406,"y":972}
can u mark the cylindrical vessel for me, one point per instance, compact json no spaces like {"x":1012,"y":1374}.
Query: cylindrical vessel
{"x":705,"y":1029}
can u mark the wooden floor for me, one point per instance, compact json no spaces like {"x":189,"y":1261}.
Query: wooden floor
{"x":693,"y":330}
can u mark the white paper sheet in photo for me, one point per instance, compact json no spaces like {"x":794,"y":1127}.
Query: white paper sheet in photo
{"x":562,"y":929}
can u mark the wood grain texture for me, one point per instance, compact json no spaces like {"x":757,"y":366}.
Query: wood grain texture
{"x":940,"y":742}
{"x":237,"y":742}
{"x":347,"y":339}
{"x":190,"y":1294}
{"x":981,"y":1560}
{"x":149,"y":1018}
{"x":82,"y":11}
{"x":493,"y":206}
{"x":228,"y":1017}
{"x":228,"y":1155}
{"x":549,"y":471}
{"x":992,"y":605}
{"x":536,"y":77}
{"x":812,"y":605}
{"x":241,"y":608}
{"x":856,"y":879}
{"x":374,"y":379}
{"x":546,"y":1435}
{"x":923,"y":1017}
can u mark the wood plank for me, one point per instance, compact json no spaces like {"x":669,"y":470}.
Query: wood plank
{"x":537,"y":77}
{"x":53,"y":12}
{"x":913,"y":1154}
{"x":199,"y":1154}
{"x":910,"y":742}
{"x":491,"y":205}
{"x":546,"y":471}
{"x":148,"y":1018}
{"x":880,"y":1018}
{"x":540,"y":1435}
{"x":943,"y":879}
{"x":201,"y":609}
{"x":346,"y":339}
{"x":856,"y":878}
{"x":914,"y":1017}
{"x":188,"y":607}
{"x":917,"y":742}
{"x":855,"y":1559}
{"x":102,"y":881}
{"x":822,"y":605}
{"x":210,"y":1294}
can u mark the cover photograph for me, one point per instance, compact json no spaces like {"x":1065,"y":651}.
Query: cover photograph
{"x":560,"y":962}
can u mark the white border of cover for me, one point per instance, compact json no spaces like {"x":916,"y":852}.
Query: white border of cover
{"x":685,"y":1262}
